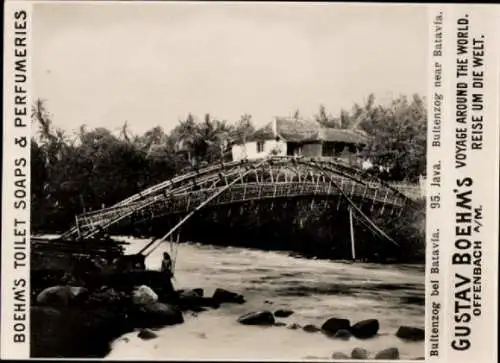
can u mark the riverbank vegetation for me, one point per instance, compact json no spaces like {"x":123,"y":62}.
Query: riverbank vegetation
{"x":94,"y":168}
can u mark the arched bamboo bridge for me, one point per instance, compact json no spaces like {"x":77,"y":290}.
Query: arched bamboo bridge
{"x":241,"y":181}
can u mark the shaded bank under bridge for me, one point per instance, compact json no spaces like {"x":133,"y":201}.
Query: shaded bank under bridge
{"x":274,"y":178}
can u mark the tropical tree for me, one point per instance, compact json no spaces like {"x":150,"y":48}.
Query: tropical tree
{"x":398,"y":136}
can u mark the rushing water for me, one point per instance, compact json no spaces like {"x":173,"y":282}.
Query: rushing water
{"x":314,"y":289}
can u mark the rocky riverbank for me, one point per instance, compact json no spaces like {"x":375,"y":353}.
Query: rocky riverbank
{"x":80,"y":320}
{"x":286,"y":304}
{"x":75,"y":322}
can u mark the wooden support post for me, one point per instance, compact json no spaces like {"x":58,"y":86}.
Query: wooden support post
{"x":77,"y":226}
{"x":340,"y":199}
{"x":383,"y":203}
{"x":364,"y":193}
{"x":351,"y":227}
{"x":373,"y":200}
{"x":392,"y":209}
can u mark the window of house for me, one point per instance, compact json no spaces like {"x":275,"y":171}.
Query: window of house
{"x":260,"y":146}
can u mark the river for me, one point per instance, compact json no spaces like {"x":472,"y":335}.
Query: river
{"x":315,"y":289}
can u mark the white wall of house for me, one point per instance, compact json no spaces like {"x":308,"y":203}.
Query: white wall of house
{"x":258,"y":149}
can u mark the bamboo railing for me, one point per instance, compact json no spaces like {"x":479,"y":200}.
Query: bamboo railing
{"x":277,"y":177}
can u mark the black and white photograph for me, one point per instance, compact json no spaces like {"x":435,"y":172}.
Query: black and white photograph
{"x":228,"y":181}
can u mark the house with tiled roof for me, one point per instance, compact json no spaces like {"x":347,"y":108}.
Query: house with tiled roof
{"x":295,"y":137}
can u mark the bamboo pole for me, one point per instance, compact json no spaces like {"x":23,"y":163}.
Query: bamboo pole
{"x":351,"y":227}
{"x":183,"y":220}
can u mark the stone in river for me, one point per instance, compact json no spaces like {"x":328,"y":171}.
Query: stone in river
{"x":279,"y":323}
{"x":294,"y":326}
{"x":225,"y":296}
{"x":310,"y":328}
{"x":283,"y":313}
{"x":365,"y":328}
{"x":144,"y":295}
{"x":410,"y":333}
{"x":343,"y":334}
{"x":359,"y":353}
{"x":389,"y":353}
{"x":340,"y":355}
{"x":257,"y":318}
{"x":158,"y":314}
{"x":332,"y":325}
{"x":146,"y":334}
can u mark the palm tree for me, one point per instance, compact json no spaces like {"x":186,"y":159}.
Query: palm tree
{"x":185,"y":136}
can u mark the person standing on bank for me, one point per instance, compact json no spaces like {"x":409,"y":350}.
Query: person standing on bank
{"x":166,"y":265}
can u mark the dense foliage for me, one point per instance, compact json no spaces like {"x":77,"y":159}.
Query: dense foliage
{"x":96,"y":168}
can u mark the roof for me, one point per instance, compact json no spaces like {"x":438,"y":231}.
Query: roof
{"x":297,"y":130}
{"x":350,"y":136}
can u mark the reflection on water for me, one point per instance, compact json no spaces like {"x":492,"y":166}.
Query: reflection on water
{"x":314,"y":289}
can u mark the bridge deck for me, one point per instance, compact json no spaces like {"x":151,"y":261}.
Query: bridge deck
{"x":239,"y":182}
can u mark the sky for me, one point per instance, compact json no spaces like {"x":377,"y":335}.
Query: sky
{"x":153,"y":63}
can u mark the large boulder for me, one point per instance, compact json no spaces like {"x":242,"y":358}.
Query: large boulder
{"x":226,"y":296}
{"x":359,"y":353}
{"x":410,"y":333}
{"x":257,"y":318}
{"x":365,"y":329}
{"x":107,"y":297}
{"x":389,"y":353}
{"x":146,"y":334}
{"x":332,"y":325}
{"x":283,"y":313}
{"x":58,"y":296}
{"x":144,"y":295}
{"x":157,"y":315}
{"x":75,"y":332}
